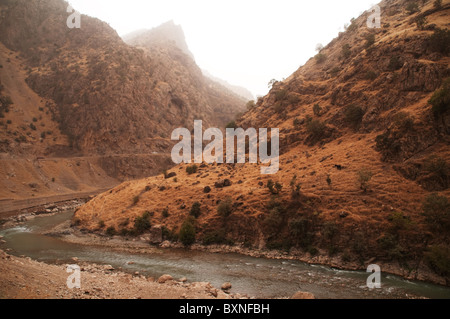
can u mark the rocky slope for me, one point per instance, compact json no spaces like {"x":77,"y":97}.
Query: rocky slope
{"x":85,"y":94}
{"x":364,"y":164}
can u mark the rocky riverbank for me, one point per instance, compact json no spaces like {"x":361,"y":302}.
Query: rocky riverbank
{"x":23,"y":278}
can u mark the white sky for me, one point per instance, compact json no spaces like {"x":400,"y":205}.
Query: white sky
{"x":245,"y":42}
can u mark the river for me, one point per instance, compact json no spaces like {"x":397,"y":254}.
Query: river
{"x":259,"y":277}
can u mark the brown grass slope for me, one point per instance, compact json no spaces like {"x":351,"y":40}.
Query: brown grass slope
{"x":373,"y":116}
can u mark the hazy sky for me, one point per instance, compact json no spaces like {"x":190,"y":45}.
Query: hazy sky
{"x":245,"y":42}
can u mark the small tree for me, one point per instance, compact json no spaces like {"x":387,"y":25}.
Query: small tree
{"x":317,"y":109}
{"x":274,"y":188}
{"x":195,"y":210}
{"x":187,"y":232}
{"x":364,"y":177}
{"x":192,"y":169}
{"x":142,"y":223}
{"x":225,"y":207}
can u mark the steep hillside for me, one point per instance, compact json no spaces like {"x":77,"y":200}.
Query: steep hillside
{"x":108,"y":97}
{"x":364,"y":167}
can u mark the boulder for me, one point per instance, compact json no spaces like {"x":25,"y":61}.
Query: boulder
{"x":222,"y":183}
{"x":226,"y":286}
{"x":207,"y":189}
{"x":156,"y":236}
{"x":164,"y":278}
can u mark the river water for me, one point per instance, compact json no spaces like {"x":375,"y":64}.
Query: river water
{"x":262,"y":278}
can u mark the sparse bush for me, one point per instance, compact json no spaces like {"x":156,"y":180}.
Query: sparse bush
{"x":142,"y":223}
{"x":353,"y":26}
{"x":440,"y":100}
{"x":250,"y":104}
{"x":370,"y":40}
{"x":231,"y":124}
{"x":216,"y":237}
{"x":421,"y":22}
{"x":165,"y":213}
{"x":35,"y":119}
{"x":346,"y":51}
{"x":101,"y":224}
{"x":353,"y":115}
{"x":32,"y":126}
{"x":436,"y":209}
{"x":43,"y":135}
{"x":437,"y":4}
{"x":438,"y":257}
{"x":335,"y":71}
{"x":111,"y":231}
{"x":329,"y":181}
{"x":274,"y":188}
{"x":192,"y":169}
{"x":438,"y":167}
{"x":297,"y":123}
{"x":403,"y":121}
{"x":281,"y":95}
{"x":395,"y":63}
{"x":320,"y":58}
{"x":8,"y":122}
{"x":316,"y":129}
{"x":225,"y":207}
{"x":195,"y":210}
{"x":317,"y":110}
{"x":439,"y":41}
{"x":300,"y":230}
{"x":371,"y":75}
{"x":187,"y":232}
{"x":412,"y":7}
{"x":364,"y":177}
{"x":295,"y":188}
{"x":169,"y":235}
{"x":136,"y":200}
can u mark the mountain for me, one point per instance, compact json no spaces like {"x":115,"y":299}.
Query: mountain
{"x":238,"y":90}
{"x":364,"y":135}
{"x":85,"y":93}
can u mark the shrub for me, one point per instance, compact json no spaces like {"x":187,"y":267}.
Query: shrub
{"x":111,"y":231}
{"x":440,"y":100}
{"x":225,"y":207}
{"x":43,"y":135}
{"x":364,"y":176}
{"x":317,"y":109}
{"x":8,"y":122}
{"x":32,"y":126}
{"x":353,"y":115}
{"x":187,"y":232}
{"x":346,"y":51}
{"x":165,"y":213}
{"x":274,"y":188}
{"x":316,"y":129}
{"x":371,"y":75}
{"x":421,"y":22}
{"x":101,"y":224}
{"x":35,"y":119}
{"x":437,"y":166}
{"x":335,"y":71}
{"x":329,"y":181}
{"x":436,"y":209}
{"x":353,"y":26}
{"x":403,"y":121}
{"x":300,"y":230}
{"x":216,"y":237}
{"x":281,"y":95}
{"x":250,"y":104}
{"x":439,"y":41}
{"x":142,"y":223}
{"x":231,"y":124}
{"x":395,"y":63}
{"x":195,"y":210}
{"x":438,"y":257}
{"x":412,"y":7}
{"x":297,"y":122}
{"x":192,"y":169}
{"x":437,"y":4}
{"x":295,"y":187}
{"x":169,"y":234}
{"x":136,"y":200}
{"x":320,"y":58}
{"x":370,"y":40}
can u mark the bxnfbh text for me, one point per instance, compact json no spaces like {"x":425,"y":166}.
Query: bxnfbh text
{"x":227,"y":309}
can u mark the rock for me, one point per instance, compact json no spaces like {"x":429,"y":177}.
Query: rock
{"x":75,"y":259}
{"x":184,"y":279}
{"x":156,"y":235}
{"x":165,"y":244}
{"x":164,"y":278}
{"x":303,"y":295}
{"x":207,"y":189}
{"x":226,"y":286}
{"x":130,"y":262}
{"x":108,"y":267}
{"x":170,"y":175}
{"x":260,"y":183}
{"x":222,"y":183}
{"x":343,"y":214}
